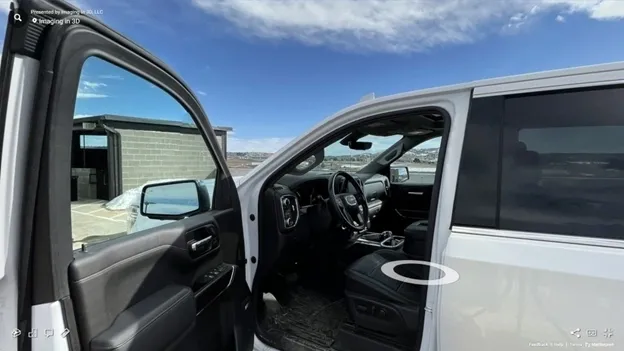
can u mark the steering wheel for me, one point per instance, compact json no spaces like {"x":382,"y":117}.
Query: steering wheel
{"x":351,"y":209}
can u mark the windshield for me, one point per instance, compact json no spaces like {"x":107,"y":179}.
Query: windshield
{"x":340,"y":157}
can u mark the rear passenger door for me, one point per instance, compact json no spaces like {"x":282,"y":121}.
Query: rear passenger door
{"x":95,"y":116}
{"x":537,"y":232}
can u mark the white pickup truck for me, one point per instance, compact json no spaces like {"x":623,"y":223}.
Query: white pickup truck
{"x":525,"y":206}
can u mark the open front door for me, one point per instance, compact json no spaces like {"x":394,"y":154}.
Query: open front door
{"x":162,"y":266}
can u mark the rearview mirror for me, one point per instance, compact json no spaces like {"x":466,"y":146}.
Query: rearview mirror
{"x":174,"y":200}
{"x":399,"y":174}
{"x":360,"y":145}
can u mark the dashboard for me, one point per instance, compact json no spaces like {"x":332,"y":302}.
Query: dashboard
{"x":312,"y":189}
{"x":300,"y":216}
{"x":312,"y":192}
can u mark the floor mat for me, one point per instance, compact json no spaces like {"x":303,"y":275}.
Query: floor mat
{"x":309,"y":317}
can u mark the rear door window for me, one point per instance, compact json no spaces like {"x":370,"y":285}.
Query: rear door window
{"x":563,"y":163}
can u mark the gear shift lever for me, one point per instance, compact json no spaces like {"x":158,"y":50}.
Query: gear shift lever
{"x":379,"y":237}
{"x":386,"y":234}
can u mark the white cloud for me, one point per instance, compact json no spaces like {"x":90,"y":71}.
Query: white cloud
{"x":520,"y":19}
{"x":392,"y":25}
{"x":110,"y":76}
{"x":517,"y":20}
{"x":85,"y":95}
{"x":82,"y":115}
{"x":201,"y":93}
{"x":595,"y":9}
{"x":90,"y":90}
{"x":560,"y":18}
{"x":93,"y":85}
{"x":256,"y":145}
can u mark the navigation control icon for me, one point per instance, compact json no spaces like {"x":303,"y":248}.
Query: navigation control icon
{"x":16,"y":333}
{"x":608,"y":333}
{"x":32,"y":334}
{"x":576,"y":332}
{"x":19,"y":18}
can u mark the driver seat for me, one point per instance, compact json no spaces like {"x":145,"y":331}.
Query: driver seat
{"x":381,"y":303}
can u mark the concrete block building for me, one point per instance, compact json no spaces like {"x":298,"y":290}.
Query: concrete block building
{"x":112,"y":154}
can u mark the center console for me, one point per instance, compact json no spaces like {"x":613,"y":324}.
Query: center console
{"x":383,"y":240}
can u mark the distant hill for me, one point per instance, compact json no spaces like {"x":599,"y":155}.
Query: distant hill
{"x":248,"y":155}
{"x":420,"y":155}
{"x":429,"y":154}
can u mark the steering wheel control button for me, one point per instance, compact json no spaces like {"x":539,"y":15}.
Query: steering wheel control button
{"x":350,"y":200}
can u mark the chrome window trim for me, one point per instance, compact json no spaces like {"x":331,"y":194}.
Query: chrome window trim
{"x":547,"y":237}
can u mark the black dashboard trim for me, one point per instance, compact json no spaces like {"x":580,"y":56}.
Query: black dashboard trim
{"x":292,"y":195}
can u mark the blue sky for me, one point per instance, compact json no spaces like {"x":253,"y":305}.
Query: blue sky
{"x":272,"y":69}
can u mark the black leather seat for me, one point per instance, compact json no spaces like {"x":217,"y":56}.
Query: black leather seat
{"x":379,"y":302}
{"x":365,"y":277}
{"x":415,"y":243}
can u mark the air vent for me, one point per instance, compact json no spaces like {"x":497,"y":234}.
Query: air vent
{"x":290,"y":210}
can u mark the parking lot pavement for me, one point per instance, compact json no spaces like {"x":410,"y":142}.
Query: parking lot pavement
{"x":91,"y":222}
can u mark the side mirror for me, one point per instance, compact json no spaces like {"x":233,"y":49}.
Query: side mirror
{"x":174,"y":200}
{"x":399,"y":174}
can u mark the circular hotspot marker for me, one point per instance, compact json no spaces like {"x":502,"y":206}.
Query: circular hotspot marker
{"x":450,"y":275}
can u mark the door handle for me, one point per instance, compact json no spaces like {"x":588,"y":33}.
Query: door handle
{"x":415,"y":192}
{"x":198,"y":243}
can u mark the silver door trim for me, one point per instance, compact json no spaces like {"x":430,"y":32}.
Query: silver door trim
{"x":548,"y":237}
